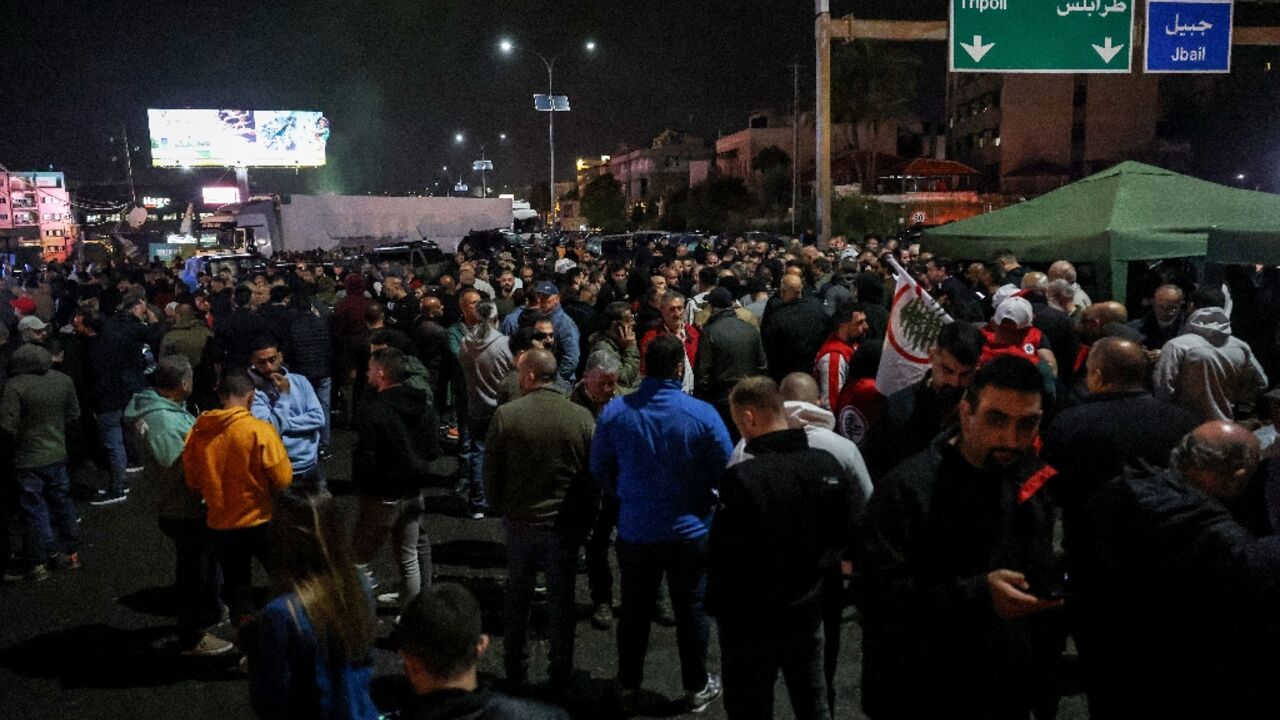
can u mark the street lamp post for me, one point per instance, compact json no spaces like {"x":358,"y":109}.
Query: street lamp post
{"x":552,"y":108}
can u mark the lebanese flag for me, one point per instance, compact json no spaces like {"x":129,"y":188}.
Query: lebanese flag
{"x":914,"y":323}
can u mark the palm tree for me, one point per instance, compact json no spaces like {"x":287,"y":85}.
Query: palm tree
{"x":872,"y":83}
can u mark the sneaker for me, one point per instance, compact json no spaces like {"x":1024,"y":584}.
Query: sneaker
{"x":602,"y":618}
{"x":698,"y":701}
{"x":133,"y":469}
{"x":105,"y":497}
{"x":208,"y":646}
{"x":388,"y":599}
{"x":65,"y":561}
{"x":452,"y":433}
{"x":476,"y":514}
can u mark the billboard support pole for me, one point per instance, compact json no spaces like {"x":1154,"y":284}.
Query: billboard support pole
{"x":242,"y":182}
{"x":128,"y":160}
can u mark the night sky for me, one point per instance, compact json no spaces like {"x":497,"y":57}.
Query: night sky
{"x":398,"y":79}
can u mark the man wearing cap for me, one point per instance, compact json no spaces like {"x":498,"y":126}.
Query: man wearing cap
{"x":729,"y":349}
{"x":547,"y":296}
{"x":1011,"y":333}
{"x":33,"y":331}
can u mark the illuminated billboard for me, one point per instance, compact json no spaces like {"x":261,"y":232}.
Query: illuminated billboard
{"x":224,"y":138}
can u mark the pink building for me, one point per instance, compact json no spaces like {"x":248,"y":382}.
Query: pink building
{"x":35,"y":210}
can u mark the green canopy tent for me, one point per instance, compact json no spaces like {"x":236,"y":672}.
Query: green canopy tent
{"x":1129,"y":212}
{"x":1244,"y":245}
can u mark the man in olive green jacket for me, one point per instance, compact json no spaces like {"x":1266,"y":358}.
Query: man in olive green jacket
{"x":36,"y":407}
{"x":537,"y":478}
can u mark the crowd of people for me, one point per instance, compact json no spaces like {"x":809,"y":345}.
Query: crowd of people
{"x":711,"y":416}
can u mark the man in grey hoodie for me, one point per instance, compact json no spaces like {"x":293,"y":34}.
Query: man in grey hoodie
{"x":1206,"y":370}
{"x":485,"y":357}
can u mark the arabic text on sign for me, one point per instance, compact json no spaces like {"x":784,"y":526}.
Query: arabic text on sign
{"x":1181,"y":30}
{"x":1089,"y":7}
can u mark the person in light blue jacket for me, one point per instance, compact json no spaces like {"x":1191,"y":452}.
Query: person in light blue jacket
{"x":289,"y":402}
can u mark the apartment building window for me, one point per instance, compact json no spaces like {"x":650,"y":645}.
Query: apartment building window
{"x":3,"y":200}
{"x":4,"y":216}
{"x":53,"y":233}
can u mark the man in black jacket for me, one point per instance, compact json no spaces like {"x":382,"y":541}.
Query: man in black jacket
{"x":395,"y":443}
{"x":955,"y":566}
{"x":1177,"y":603}
{"x":310,"y":354}
{"x":793,"y":330}
{"x":785,"y":518}
{"x":729,"y":349}
{"x":1119,"y":426}
{"x":916,"y":414}
{"x":122,"y":357}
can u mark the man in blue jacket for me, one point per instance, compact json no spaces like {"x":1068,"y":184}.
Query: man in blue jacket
{"x":289,"y":403}
{"x":660,"y":452}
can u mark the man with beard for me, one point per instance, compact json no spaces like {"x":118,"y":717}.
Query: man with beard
{"x":505,"y":296}
{"x":955,"y":566}
{"x":915,"y":414}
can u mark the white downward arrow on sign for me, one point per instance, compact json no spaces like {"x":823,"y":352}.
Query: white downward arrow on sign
{"x":1107,"y":51}
{"x":977,"y":50}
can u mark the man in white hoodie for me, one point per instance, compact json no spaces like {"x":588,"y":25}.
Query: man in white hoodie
{"x":800,"y":396}
{"x":1206,"y":370}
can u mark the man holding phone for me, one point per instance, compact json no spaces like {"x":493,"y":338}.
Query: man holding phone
{"x":956,"y":576}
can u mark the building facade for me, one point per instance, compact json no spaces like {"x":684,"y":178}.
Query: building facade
{"x":1028,"y":134}
{"x":35,"y":210}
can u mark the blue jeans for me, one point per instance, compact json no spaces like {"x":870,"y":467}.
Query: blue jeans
{"x":473,"y":449}
{"x":111,"y":430}
{"x":642,"y":566}
{"x":48,"y":515}
{"x":324,"y":391}
{"x":531,"y":548}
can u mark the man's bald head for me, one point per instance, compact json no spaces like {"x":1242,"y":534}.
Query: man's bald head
{"x":1218,"y":457}
{"x":1099,"y":315}
{"x":1034,"y":281}
{"x":800,"y":387}
{"x":1062,"y":270}
{"x":1116,"y":365}
{"x":792,"y":286}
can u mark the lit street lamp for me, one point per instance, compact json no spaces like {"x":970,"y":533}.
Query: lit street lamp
{"x":483,"y":165}
{"x":551,"y":104}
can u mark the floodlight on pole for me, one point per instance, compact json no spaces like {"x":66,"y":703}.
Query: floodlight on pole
{"x":550,"y":104}
{"x":458,"y":137}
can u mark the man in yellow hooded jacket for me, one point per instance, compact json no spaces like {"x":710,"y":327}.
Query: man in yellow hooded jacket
{"x":236,"y":462}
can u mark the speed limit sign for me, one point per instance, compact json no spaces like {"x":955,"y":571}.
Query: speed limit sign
{"x":918,"y":217}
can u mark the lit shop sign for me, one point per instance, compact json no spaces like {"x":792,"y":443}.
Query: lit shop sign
{"x":220,"y":195}
{"x":150,"y":201}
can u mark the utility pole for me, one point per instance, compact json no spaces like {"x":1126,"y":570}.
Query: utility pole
{"x":822,"y":121}
{"x":795,"y":145}
{"x":128,"y":161}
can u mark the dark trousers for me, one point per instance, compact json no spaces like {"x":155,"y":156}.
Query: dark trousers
{"x":195,"y":577}
{"x":752,"y":651}
{"x":48,"y":514}
{"x":599,"y":576}
{"x":642,"y":566}
{"x":235,"y":551}
{"x":309,"y":481}
{"x":833,"y":602}
{"x":531,"y":548}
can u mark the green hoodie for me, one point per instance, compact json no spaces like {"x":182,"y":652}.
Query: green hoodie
{"x":159,"y":426}
{"x":35,"y":409}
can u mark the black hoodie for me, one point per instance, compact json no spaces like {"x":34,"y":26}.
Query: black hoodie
{"x":395,"y":442}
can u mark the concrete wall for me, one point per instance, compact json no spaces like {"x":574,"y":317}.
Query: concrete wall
{"x":328,"y":221}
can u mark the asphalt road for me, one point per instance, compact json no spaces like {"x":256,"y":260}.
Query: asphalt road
{"x":91,"y":643}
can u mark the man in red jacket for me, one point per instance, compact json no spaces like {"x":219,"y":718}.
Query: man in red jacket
{"x":831,"y":367}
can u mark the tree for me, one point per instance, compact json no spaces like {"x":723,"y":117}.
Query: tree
{"x":603,"y":204}
{"x":871,"y":84}
{"x":771,"y":158}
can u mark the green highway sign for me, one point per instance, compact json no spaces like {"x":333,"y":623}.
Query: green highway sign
{"x":1041,"y":36}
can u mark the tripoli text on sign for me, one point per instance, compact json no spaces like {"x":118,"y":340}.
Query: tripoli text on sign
{"x":1041,"y":36}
